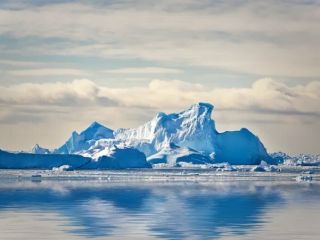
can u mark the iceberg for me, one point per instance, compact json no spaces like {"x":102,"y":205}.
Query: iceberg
{"x":62,"y":168}
{"x":193,"y":129}
{"x":40,"y":161}
{"x":39,"y":150}
{"x":239,"y":148}
{"x":118,"y":158}
{"x":188,"y":137}
{"x":302,"y":160}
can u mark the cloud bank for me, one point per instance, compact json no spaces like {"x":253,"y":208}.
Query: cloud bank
{"x":78,"y":92}
{"x":265,"y":95}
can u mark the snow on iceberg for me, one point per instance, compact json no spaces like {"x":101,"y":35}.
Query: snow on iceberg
{"x":119,"y":158}
{"x":62,"y":168}
{"x":192,"y":128}
{"x":171,"y":155}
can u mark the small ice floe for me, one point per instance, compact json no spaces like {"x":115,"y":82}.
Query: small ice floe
{"x":273,"y":168}
{"x":265,"y":167}
{"x":62,"y":168}
{"x":308,"y":172}
{"x":225,"y":167}
{"x":258,"y":169}
{"x":262,"y":167}
{"x":36,"y":178}
{"x":301,"y":178}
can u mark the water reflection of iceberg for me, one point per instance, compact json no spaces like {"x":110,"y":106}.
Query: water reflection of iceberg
{"x":166,"y":211}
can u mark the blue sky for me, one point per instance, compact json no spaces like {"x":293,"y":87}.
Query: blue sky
{"x":64,"y":64}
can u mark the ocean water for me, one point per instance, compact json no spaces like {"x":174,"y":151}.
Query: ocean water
{"x":95,"y":208}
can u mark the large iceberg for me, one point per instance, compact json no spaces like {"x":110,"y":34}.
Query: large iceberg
{"x":189,"y":136}
{"x":193,"y":129}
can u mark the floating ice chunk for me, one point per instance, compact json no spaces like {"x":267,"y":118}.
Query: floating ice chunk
{"x":258,"y":169}
{"x":226,"y":167}
{"x":265,"y":167}
{"x":62,"y":168}
{"x":304,"y":178}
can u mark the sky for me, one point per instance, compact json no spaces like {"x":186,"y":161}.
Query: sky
{"x":65,"y":64}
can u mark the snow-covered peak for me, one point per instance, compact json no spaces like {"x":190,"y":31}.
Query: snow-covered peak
{"x":96,"y":131}
{"x":39,"y":150}
{"x":199,"y":110}
{"x":85,"y":139}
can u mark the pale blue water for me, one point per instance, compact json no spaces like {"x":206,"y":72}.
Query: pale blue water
{"x":105,"y":210}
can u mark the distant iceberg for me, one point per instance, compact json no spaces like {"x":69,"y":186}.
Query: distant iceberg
{"x":120,"y":158}
{"x":189,"y":136}
{"x":298,"y":159}
{"x":40,"y":161}
{"x":39,"y":150}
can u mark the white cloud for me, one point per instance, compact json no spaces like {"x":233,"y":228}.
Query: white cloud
{"x":78,"y":92}
{"x":264,"y":96}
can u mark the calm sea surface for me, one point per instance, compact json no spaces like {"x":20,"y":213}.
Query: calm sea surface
{"x":71,"y":209}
